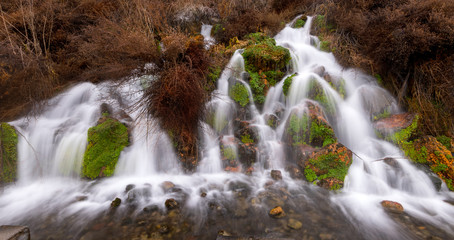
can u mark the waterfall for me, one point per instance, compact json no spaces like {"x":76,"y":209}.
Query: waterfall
{"x":51,"y":148}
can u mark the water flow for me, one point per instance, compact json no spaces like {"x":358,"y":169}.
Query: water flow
{"x":52,"y":146}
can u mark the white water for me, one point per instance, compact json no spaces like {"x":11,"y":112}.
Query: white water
{"x":51,"y":148}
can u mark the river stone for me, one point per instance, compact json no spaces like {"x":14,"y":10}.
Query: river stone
{"x":277,"y":212}
{"x":171,"y":204}
{"x":14,"y":233}
{"x":294,"y":224}
{"x":115,"y":203}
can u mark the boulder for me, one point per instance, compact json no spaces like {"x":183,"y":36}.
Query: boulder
{"x":396,"y":123}
{"x":171,"y":204}
{"x":276,"y":175}
{"x":115,"y":203}
{"x":14,"y":233}
{"x":105,"y":143}
{"x":327,"y":167}
{"x":294,"y":224}
{"x":8,"y":153}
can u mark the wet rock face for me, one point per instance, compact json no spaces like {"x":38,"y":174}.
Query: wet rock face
{"x":277,"y":212}
{"x":14,"y":233}
{"x":8,"y":153}
{"x":105,"y":143}
{"x":328,"y":166}
{"x":391,"y":206}
{"x":389,"y":125}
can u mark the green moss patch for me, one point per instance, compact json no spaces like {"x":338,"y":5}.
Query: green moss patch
{"x":105,"y":143}
{"x":8,"y":153}
{"x":287,"y":84}
{"x":299,"y":23}
{"x":329,"y":166}
{"x":240,"y":94}
{"x":265,"y":62}
{"x":310,"y":129}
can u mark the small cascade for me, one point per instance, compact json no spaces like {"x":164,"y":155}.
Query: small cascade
{"x":148,"y":178}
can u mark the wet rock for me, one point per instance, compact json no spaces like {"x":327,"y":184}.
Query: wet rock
{"x":377,"y":102}
{"x":436,"y":181}
{"x":320,"y":70}
{"x":106,"y":109}
{"x":203,"y":194}
{"x":167,"y":186}
{"x":294,"y":172}
{"x":151,"y":208}
{"x":276,"y":175}
{"x":389,"y":125}
{"x":277,"y":212}
{"x":115,"y":203}
{"x":14,"y":232}
{"x":326,"y":236}
{"x":241,"y":208}
{"x":294,"y":224}
{"x":164,"y":229}
{"x":81,"y":198}
{"x":240,"y":189}
{"x":171,"y":204}
{"x":272,"y":120}
{"x":138,"y":193}
{"x":391,"y":162}
{"x":129,"y":187}
{"x":392,"y":206}
{"x":328,"y":166}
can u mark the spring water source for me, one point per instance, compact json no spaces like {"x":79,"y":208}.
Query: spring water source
{"x":51,"y":197}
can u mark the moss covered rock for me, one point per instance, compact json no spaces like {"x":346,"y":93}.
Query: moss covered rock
{"x":327,"y":167}
{"x":429,"y":151}
{"x":308,"y":128}
{"x":105,"y":143}
{"x":8,"y":153}
{"x":265,"y":62}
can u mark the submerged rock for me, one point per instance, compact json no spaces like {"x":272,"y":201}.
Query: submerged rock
{"x":8,"y":153}
{"x":115,"y":203}
{"x":328,"y":166}
{"x":277,"y":212}
{"x":392,"y":206}
{"x":171,"y":204}
{"x":294,"y":224}
{"x":105,"y":143}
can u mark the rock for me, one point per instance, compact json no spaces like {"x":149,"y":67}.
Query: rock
{"x":8,"y":153}
{"x":328,"y":166}
{"x":171,"y":204}
{"x":294,"y":224}
{"x":294,"y":172}
{"x":164,"y":229}
{"x":436,"y":181}
{"x":137,"y":193}
{"x":394,"y":123}
{"x":427,"y":150}
{"x":105,"y":143}
{"x":81,"y":198}
{"x":320,"y":71}
{"x":167,"y":186}
{"x":240,"y":189}
{"x":203,"y":194}
{"x":14,"y":233}
{"x":391,"y":162}
{"x":307,"y":125}
{"x":276,"y":175}
{"x":115,"y":203}
{"x":129,"y":187}
{"x":272,"y":120}
{"x":277,"y":212}
{"x":392,"y":206}
{"x":377,"y":102}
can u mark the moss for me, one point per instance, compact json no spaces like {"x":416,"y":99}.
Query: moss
{"x":320,"y":132}
{"x":246,"y":138}
{"x":379,"y":79}
{"x":287,"y":83}
{"x":403,"y":136}
{"x":229,"y":153}
{"x":299,"y":23}
{"x":384,"y":114}
{"x":240,"y":94}
{"x":316,"y":133}
{"x":318,"y":94}
{"x":325,"y":46}
{"x":8,"y":153}
{"x":213,"y":73}
{"x":446,"y":141}
{"x":265,"y":62}
{"x":330,"y":165}
{"x":105,"y":143}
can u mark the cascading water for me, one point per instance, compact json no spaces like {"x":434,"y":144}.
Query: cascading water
{"x":51,"y":149}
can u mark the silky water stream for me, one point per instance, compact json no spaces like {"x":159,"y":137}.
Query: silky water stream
{"x":56,"y":203}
